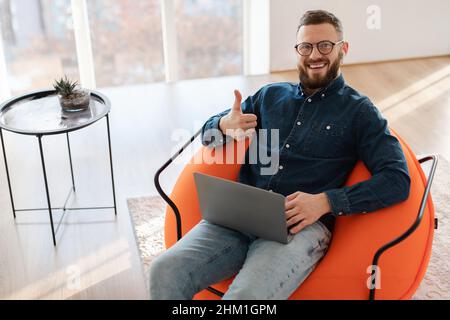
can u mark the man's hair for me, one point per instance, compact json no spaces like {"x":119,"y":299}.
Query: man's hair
{"x":319,"y":17}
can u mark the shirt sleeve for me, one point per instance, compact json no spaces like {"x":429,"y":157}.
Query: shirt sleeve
{"x":382,"y":154}
{"x":212,"y":135}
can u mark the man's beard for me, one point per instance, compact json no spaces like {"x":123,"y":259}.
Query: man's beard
{"x":313,"y":83}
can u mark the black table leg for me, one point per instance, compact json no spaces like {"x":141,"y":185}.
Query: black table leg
{"x":70,"y":159}
{"x":46,"y":189}
{"x":111,"y":164}
{"x":7,"y":174}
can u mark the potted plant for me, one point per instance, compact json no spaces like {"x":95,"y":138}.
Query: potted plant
{"x":71,"y":95}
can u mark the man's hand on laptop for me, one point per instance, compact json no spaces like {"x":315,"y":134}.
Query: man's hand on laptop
{"x":303,"y":209}
{"x":237,"y":124}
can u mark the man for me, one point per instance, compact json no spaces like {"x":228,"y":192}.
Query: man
{"x":324,"y":127}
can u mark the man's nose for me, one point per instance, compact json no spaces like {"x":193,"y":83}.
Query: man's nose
{"x":315,"y":54}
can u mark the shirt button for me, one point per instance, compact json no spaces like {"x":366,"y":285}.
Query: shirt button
{"x":328,"y":127}
{"x":287,"y":146}
{"x":323,"y":95}
{"x":340,"y":213}
{"x":280,"y":167}
{"x":299,"y":123}
{"x":270,"y":190}
{"x":309,"y":100}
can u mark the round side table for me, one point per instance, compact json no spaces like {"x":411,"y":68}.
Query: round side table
{"x":39,"y":114}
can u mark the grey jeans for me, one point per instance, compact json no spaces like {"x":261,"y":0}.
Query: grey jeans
{"x":210,"y":253}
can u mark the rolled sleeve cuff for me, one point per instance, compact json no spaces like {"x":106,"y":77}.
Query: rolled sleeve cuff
{"x":213,"y":127}
{"x":338,"y":202}
{"x":212,"y":124}
{"x":215,"y":123}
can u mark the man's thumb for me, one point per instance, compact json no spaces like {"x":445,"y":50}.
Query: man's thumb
{"x":237,"y":101}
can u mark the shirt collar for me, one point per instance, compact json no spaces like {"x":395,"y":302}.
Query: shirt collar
{"x":335,"y":85}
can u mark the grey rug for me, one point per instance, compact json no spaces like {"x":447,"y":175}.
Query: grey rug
{"x":147,"y":215}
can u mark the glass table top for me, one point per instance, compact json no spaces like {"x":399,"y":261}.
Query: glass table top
{"x":40,"y":113}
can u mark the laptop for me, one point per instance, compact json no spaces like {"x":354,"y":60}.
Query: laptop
{"x":242,"y":207}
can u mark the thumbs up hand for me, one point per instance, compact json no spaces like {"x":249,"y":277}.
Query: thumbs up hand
{"x":237,"y":124}
{"x":237,"y":102}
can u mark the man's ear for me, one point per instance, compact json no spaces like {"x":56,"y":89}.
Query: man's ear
{"x":345,"y":48}
{"x":344,"y":51}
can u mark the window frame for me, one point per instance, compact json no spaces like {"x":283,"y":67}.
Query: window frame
{"x":83,"y":43}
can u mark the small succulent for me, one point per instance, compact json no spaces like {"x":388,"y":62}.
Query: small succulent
{"x":65,"y":87}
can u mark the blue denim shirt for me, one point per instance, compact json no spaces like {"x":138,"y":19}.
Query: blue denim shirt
{"x":321,"y":138}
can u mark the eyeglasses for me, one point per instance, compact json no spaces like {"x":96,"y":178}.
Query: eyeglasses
{"x":324,"y":47}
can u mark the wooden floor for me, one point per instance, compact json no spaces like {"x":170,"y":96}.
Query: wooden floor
{"x":96,"y":256}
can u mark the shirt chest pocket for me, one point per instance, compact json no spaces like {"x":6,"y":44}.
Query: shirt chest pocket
{"x":328,"y":140}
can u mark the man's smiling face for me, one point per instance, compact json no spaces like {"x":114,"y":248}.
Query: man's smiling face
{"x":317,"y":70}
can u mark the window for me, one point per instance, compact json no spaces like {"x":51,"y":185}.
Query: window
{"x":120,"y":42}
{"x":126,"y":41}
{"x":38,"y":42}
{"x":209,"y":38}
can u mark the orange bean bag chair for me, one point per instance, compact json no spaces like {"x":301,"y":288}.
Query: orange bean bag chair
{"x":344,"y":272}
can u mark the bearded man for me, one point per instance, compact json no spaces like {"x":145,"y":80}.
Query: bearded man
{"x":324,"y":128}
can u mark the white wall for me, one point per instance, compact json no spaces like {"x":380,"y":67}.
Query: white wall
{"x":414,"y":28}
